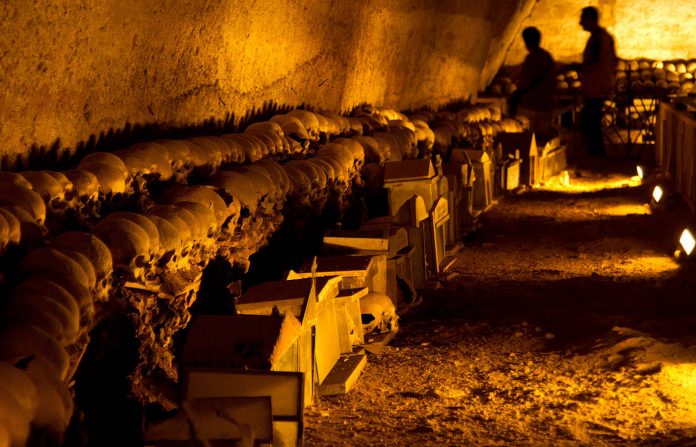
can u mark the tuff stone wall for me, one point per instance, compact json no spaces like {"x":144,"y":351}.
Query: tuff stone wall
{"x":75,"y":70}
{"x":642,"y":28}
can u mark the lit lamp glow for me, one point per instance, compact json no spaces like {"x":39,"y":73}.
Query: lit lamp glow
{"x":687,"y":242}
{"x":641,"y":173}
{"x":657,"y":194}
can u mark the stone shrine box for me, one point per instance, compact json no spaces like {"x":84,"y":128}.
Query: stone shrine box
{"x":508,"y":174}
{"x":284,"y":388}
{"x":436,"y":236}
{"x":523,"y":146}
{"x":219,"y":420}
{"x":376,"y":237}
{"x":406,"y":268}
{"x":553,"y":159}
{"x":312,"y":303}
{"x":356,"y":271}
{"x":359,"y":275}
{"x":384,"y":240}
{"x":237,"y":356}
{"x":483,"y":179}
{"x":404,"y":179}
{"x":349,"y":319}
{"x":249,"y":342}
{"x":460,"y":176}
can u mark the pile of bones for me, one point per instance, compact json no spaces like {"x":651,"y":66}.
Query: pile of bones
{"x":134,"y":228}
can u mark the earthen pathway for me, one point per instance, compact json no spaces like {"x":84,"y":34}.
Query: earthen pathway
{"x":565,"y":322}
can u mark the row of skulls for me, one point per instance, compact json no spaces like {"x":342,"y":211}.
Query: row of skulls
{"x":642,"y":76}
{"x":653,"y":76}
{"x":46,"y":319}
{"x":234,"y":208}
{"x":474,"y":126}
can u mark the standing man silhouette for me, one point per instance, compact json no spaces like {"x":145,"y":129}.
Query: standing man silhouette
{"x":598,"y":69}
{"x":535,"y":94}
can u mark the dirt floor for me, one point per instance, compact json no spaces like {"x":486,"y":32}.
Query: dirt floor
{"x":564,"y":322}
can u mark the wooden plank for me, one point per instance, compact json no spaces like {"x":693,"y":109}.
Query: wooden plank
{"x":217,"y":420}
{"x":396,"y":171}
{"x":344,"y":375}
{"x":375,"y":343}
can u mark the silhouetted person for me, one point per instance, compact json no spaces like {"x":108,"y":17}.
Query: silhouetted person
{"x":535,"y":93}
{"x":598,"y":69}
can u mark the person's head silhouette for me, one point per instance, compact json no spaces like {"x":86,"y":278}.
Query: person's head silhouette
{"x":589,"y":18}
{"x":532,"y":38}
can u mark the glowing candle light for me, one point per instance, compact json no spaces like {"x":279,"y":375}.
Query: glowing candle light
{"x":657,"y":194}
{"x":687,"y":242}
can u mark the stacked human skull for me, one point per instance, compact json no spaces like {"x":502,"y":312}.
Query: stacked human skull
{"x":159,"y":212}
{"x":46,"y":321}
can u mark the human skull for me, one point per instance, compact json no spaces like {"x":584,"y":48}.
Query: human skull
{"x":174,"y":253}
{"x":378,"y":313}
{"x":356,"y":126}
{"x":54,"y":263}
{"x":98,"y":254}
{"x":49,"y":306}
{"x":300,"y":186}
{"x":391,"y":144}
{"x":206,"y":196}
{"x":238,"y":187}
{"x":129,"y":245}
{"x":374,"y":152}
{"x":325,"y":167}
{"x":309,"y":121}
{"x":54,"y":188}
{"x":55,"y":405}
{"x":150,"y":160}
{"x":32,"y":234}
{"x":112,"y":181}
{"x":106,"y":158}
{"x":189,"y":229}
{"x":276,"y":174}
{"x":206,"y":222}
{"x":13,"y":178}
{"x":356,"y":149}
{"x":291,"y":126}
{"x":265,"y":126}
{"x":270,"y":192}
{"x":339,"y":169}
{"x":86,"y":191}
{"x":254,"y":149}
{"x":333,"y":123}
{"x":203,"y":161}
{"x":236,"y":149}
{"x":21,"y":341}
{"x":215,"y":149}
{"x":141,"y":221}
{"x":14,"y":228}
{"x":26,"y":199}
{"x":180,"y":158}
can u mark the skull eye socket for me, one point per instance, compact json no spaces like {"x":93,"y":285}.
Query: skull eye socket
{"x":367,"y":318}
{"x":58,"y":203}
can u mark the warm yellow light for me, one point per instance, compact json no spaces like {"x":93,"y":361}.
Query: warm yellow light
{"x":641,"y":173}
{"x":589,"y":183}
{"x":687,"y":242}
{"x":565,"y":178}
{"x":657,"y":193}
